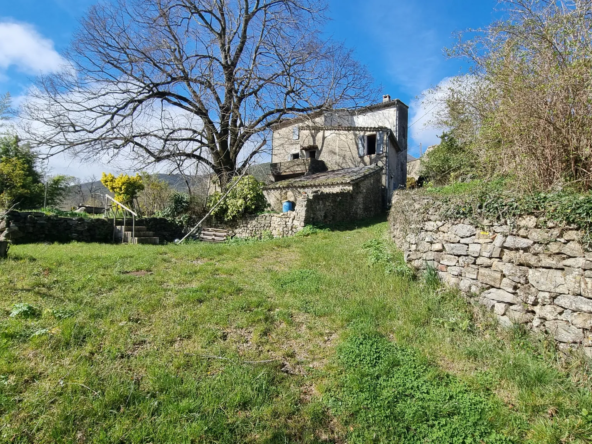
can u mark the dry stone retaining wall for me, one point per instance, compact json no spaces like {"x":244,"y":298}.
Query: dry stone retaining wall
{"x":527,"y":271}
{"x":33,"y":227}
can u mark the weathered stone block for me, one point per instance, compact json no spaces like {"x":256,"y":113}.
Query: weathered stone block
{"x":500,"y":308}
{"x":462,"y":230}
{"x":474,"y":250}
{"x":563,"y":332}
{"x":457,"y":249}
{"x":544,"y":236}
{"x":466,"y":260}
{"x":490,"y":277}
{"x":519,"y":316}
{"x":582,"y":320}
{"x":484,"y":262}
{"x":517,"y":243}
{"x":508,"y":285}
{"x":455,"y":271}
{"x":528,"y":294}
{"x":548,"y":280}
{"x":471,"y":272}
{"x":548,"y":312}
{"x":501,"y":296}
{"x":575,"y":303}
{"x":448,"y":259}
{"x":437,"y":247}
{"x":527,"y":222}
{"x":573,"y":249}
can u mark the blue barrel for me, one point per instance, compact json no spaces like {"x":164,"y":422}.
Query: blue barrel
{"x":289,"y":206}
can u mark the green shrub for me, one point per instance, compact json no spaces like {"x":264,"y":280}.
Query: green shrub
{"x":245,"y":198}
{"x":449,"y":162}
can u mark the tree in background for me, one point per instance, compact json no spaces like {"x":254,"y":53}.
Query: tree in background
{"x":449,"y":162}
{"x":21,"y":182}
{"x":524,"y":109}
{"x":156,"y":195}
{"x":125,"y":188}
{"x":245,"y":198}
{"x":192,"y":80}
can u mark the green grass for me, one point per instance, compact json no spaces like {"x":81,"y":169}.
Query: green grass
{"x":323,"y":338}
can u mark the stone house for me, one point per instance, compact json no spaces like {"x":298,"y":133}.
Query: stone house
{"x":332,"y":196}
{"x":343,"y":139}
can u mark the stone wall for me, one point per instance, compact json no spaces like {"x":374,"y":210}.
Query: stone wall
{"x":361,"y":200}
{"x":527,"y":271}
{"x":33,"y":227}
{"x":277,"y":225}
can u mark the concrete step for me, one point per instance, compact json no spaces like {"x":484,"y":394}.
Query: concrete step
{"x":146,"y":240}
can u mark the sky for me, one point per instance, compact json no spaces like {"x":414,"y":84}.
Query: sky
{"x":400,"y":41}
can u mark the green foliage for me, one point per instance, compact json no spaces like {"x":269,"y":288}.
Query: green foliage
{"x":391,"y":391}
{"x":178,"y":205}
{"x":449,"y":162}
{"x":494,"y":201}
{"x":310,"y":230}
{"x":20,"y":182}
{"x":379,"y":254}
{"x":245,"y":198}
{"x":24,"y":310}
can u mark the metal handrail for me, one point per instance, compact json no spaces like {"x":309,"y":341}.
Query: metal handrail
{"x":134,"y":215}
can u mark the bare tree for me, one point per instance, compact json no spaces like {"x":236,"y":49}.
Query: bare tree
{"x":191,"y":80}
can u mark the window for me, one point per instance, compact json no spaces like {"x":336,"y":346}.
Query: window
{"x":370,"y":144}
{"x":296,"y":133}
{"x":312,"y":154}
{"x":295,"y":156}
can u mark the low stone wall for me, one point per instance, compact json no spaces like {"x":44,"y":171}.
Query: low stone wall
{"x":277,"y":225}
{"x":34,"y":227}
{"x":527,"y":271}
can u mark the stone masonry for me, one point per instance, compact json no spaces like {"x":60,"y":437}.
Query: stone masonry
{"x":33,"y":227}
{"x":527,"y":271}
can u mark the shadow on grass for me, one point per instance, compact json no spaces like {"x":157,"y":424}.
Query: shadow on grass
{"x":355,"y":225}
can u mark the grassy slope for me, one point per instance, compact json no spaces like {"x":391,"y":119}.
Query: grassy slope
{"x":179,"y":355}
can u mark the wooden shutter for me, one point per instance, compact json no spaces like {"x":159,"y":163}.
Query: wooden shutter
{"x":380,"y":142}
{"x":361,"y":146}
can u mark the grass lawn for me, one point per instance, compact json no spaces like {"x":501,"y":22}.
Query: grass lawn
{"x":325,"y":338}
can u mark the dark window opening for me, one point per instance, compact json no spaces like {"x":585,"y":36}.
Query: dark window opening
{"x":311,"y":154}
{"x":370,"y":144}
{"x":295,"y":156}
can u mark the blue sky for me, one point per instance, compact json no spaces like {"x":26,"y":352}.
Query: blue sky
{"x":401,"y":42}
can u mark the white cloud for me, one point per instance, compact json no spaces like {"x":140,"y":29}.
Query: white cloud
{"x":422,"y":129}
{"x":22,"y":47}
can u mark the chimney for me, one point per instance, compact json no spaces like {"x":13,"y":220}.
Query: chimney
{"x":386,"y":98}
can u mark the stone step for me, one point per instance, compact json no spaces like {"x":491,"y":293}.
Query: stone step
{"x":146,"y":240}
{"x":217,"y":239}
{"x":139,"y":233}
{"x":129,"y":228}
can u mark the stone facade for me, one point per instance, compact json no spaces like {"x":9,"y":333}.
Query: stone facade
{"x":527,"y":271}
{"x":332,"y":197}
{"x":314,"y":205}
{"x":33,"y":227}
{"x":340,"y":138}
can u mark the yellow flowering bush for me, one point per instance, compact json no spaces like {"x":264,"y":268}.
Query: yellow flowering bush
{"x":125,"y":188}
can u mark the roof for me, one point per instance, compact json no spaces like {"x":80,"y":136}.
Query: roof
{"x":410,"y":158}
{"x":345,"y":176}
{"x":355,"y":111}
